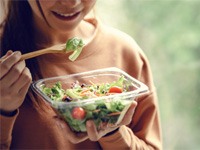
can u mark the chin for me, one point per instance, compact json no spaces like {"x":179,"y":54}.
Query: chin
{"x":65,"y":28}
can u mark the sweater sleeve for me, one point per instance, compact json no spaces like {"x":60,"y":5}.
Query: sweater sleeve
{"x":6,"y":127}
{"x":144,"y":131}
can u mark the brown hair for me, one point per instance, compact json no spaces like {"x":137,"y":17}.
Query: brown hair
{"x":17,"y":35}
{"x":17,"y":28}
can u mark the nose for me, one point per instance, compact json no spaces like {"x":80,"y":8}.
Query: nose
{"x":70,"y":3}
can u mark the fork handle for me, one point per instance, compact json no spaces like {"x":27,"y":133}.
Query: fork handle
{"x":38,"y":53}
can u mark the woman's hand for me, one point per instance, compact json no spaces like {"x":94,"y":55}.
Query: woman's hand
{"x":92,"y":133}
{"x":15,"y":79}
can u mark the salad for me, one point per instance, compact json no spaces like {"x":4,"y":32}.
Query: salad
{"x":103,"y":112}
{"x":76,"y":45}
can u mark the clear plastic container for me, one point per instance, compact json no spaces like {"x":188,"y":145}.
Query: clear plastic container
{"x":107,"y":110}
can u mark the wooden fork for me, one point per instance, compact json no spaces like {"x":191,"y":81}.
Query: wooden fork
{"x":54,"y":49}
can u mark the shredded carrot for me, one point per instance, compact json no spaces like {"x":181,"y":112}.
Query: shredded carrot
{"x":97,"y":110}
{"x":87,"y":93}
{"x":98,"y":94}
{"x":114,"y":114}
{"x":92,"y":82}
{"x":86,"y":90}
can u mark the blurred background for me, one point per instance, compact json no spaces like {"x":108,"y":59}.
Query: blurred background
{"x":169,"y":33}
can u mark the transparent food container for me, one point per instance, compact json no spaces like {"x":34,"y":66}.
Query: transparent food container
{"x":105,"y":110}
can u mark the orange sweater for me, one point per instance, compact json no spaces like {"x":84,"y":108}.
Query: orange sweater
{"x":30,"y":129}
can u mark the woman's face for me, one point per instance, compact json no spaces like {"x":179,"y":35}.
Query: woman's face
{"x":60,"y":15}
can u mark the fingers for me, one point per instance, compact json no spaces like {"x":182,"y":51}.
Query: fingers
{"x":94,"y":134}
{"x":18,"y":90}
{"x":13,"y":74}
{"x":15,"y":79}
{"x":92,"y":131}
{"x":70,"y":135}
{"x":8,"y":61}
{"x":129,"y":114}
{"x":24,"y":80}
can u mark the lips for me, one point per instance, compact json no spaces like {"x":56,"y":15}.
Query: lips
{"x":66,"y":16}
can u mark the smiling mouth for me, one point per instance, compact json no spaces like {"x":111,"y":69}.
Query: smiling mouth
{"x":69,"y":16}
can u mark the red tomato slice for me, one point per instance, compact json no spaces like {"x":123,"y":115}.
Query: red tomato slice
{"x":115,"y":89}
{"x":78,"y":113}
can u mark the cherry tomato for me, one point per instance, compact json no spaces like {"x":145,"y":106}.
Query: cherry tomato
{"x":115,"y":89}
{"x":78,"y":113}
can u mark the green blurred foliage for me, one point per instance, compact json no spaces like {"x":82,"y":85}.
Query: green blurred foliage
{"x":169,"y":33}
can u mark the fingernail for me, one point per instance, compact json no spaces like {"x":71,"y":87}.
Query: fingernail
{"x":89,"y":124}
{"x":9,"y":52}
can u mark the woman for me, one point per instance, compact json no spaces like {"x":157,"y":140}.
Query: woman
{"x":26,"y":121}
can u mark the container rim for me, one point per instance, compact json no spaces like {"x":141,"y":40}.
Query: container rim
{"x":141,"y":89}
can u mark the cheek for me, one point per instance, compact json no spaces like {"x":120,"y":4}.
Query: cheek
{"x":44,"y":7}
{"x":47,"y":3}
{"x":89,"y":4}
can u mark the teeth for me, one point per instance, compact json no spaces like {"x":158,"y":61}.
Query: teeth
{"x":66,"y":15}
